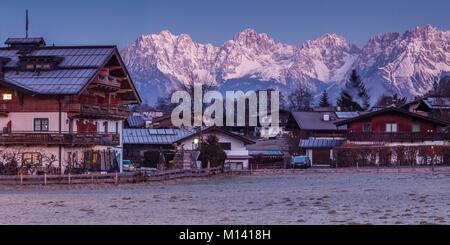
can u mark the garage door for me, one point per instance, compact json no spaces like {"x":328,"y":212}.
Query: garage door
{"x":321,"y":157}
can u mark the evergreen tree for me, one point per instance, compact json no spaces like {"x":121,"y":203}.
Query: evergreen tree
{"x":212,"y":153}
{"x":346,"y":103}
{"x":324,"y":99}
{"x":354,"y":87}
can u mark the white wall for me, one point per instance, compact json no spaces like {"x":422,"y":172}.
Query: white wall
{"x":24,"y":121}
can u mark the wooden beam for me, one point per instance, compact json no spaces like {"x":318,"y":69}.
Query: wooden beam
{"x":115,"y":68}
{"x":127,"y":102}
{"x":124,"y":90}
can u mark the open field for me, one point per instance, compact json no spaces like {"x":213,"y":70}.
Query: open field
{"x":314,"y":198}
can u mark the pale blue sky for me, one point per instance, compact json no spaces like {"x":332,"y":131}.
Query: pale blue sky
{"x":121,"y":22}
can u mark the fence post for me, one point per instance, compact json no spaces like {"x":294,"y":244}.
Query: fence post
{"x":92,"y":178}
{"x":45,"y":179}
{"x":21,"y":179}
{"x":116,"y":181}
{"x":69,"y":178}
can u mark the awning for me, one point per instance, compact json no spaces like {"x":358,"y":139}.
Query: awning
{"x":320,"y":143}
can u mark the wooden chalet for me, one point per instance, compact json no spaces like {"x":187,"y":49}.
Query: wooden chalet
{"x":394,"y":125}
{"x":67,"y":102}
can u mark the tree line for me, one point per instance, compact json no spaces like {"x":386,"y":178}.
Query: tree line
{"x":353,"y":97}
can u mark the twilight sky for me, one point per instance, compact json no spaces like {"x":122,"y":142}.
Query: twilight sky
{"x":216,"y":21}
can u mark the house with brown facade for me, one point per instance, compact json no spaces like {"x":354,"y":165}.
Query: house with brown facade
{"x":393,"y":125}
{"x":63,"y":107}
{"x":393,"y":136}
{"x":316,"y":134}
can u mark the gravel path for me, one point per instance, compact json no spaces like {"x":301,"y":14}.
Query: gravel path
{"x":343,"y":198}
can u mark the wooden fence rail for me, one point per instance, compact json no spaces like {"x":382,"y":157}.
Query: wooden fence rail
{"x":110,"y":178}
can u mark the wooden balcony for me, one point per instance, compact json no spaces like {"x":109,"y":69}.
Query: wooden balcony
{"x":56,"y":138}
{"x":397,"y":137}
{"x":104,"y":111}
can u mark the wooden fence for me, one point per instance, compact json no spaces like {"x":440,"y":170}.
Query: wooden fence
{"x":110,"y":178}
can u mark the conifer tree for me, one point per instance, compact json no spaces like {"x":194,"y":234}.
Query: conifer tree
{"x":354,"y":87}
{"x":324,"y":99}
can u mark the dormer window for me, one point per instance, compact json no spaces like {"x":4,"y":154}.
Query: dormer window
{"x":39,"y":63}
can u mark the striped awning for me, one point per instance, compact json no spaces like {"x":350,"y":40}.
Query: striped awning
{"x":319,"y":143}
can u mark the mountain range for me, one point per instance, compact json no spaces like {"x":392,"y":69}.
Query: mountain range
{"x":406,"y":64}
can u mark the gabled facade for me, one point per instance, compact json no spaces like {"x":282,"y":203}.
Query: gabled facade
{"x":393,"y":125}
{"x":65,"y":103}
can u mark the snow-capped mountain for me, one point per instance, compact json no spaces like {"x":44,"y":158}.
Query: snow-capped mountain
{"x":407,"y":64}
{"x":390,"y":63}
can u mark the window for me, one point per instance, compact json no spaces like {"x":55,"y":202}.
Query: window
{"x":416,"y":127}
{"x":7,"y":96}
{"x":391,"y":127}
{"x":31,"y":158}
{"x":41,"y":124}
{"x":367,"y":127}
{"x":225,"y":146}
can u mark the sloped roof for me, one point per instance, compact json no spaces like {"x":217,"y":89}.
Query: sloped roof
{"x":153,"y":136}
{"x":391,"y":109}
{"x":25,"y":41}
{"x":138,"y":120}
{"x":437,"y":102}
{"x":319,"y":143}
{"x":78,"y":66}
{"x":266,"y":153}
{"x":221,"y":130}
{"x":278,"y":144}
{"x":313,"y":120}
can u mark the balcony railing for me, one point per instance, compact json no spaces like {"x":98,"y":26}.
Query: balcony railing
{"x":96,"y":110}
{"x":104,"y":111}
{"x":397,"y":137}
{"x":56,"y":138}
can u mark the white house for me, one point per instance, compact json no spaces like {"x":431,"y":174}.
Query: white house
{"x":234,"y":145}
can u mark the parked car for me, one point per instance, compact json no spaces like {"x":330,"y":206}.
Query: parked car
{"x":301,"y":162}
{"x":128,"y":165}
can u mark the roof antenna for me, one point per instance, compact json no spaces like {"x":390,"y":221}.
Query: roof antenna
{"x":26,"y":24}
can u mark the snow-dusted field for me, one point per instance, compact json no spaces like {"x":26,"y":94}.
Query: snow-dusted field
{"x":341,"y":198}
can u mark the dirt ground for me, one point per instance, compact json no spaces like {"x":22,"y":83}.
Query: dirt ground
{"x":319,"y":198}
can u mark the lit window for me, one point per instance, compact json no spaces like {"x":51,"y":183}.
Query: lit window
{"x":7,"y":96}
{"x":31,"y":158}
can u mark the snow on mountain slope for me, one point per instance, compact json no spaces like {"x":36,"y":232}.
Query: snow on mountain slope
{"x":389,"y":63}
{"x":406,"y":64}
